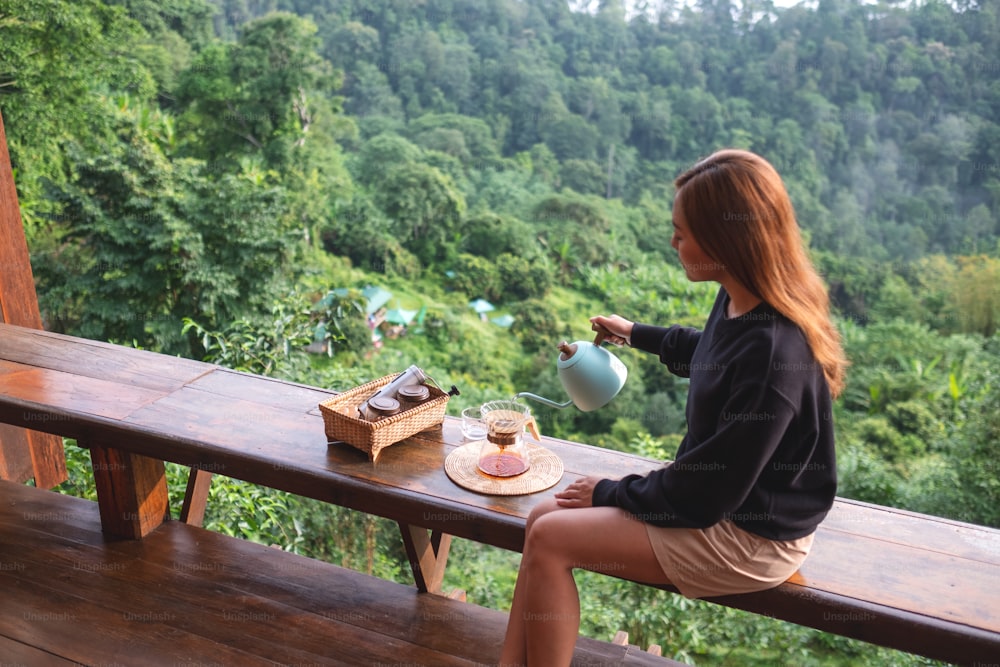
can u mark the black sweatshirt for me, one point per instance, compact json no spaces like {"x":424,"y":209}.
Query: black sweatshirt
{"x":759,"y":450}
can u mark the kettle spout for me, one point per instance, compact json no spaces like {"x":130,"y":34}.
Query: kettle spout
{"x":543,"y":400}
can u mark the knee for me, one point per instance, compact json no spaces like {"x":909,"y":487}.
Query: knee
{"x":545,"y":548}
{"x":538,"y":511}
{"x":543,"y":541}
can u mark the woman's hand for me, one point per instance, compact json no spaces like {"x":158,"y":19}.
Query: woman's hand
{"x":578,"y":494}
{"x":618,"y":329}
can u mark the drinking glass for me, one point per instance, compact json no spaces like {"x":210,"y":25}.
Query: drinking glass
{"x":473,"y":426}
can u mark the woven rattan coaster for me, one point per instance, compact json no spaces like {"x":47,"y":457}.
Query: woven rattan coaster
{"x":462,"y":467}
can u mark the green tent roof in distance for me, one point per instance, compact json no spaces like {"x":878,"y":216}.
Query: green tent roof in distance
{"x":400,"y":316}
{"x":504,"y":321}
{"x":376,"y":296}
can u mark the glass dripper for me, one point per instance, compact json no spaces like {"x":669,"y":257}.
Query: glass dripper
{"x":504,"y":453}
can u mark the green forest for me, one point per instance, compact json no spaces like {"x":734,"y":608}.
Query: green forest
{"x":224,"y":180}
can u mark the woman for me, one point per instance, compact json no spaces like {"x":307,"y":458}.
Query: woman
{"x":755,"y":474}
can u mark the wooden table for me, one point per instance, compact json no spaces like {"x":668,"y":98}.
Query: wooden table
{"x":922,"y":584}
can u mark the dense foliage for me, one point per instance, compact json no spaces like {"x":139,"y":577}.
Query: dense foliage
{"x":198,"y":177}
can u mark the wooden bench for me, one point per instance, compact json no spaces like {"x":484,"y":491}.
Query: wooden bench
{"x":187,"y":596}
{"x":894,"y":578}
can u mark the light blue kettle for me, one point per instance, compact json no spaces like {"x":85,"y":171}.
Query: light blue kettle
{"x":591,"y":375}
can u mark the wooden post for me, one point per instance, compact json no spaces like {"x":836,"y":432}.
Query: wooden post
{"x":428,"y":554}
{"x":23,"y":454}
{"x":131,"y":491}
{"x":196,"y":497}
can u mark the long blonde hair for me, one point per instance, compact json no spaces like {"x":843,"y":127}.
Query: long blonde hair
{"x":738,"y":211}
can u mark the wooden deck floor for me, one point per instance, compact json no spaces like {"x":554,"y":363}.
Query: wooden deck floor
{"x":186,"y":596}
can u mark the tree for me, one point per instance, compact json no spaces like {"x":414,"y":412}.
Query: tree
{"x":521,"y":278}
{"x":572,"y":208}
{"x":361,"y":232}
{"x":477,"y":137}
{"x":570,"y":136}
{"x":254,"y":96}
{"x":369,"y":93}
{"x":488,"y":235}
{"x":424,"y":207}
{"x":476,"y":277}
{"x":975,"y":301}
{"x":377,"y":153}
{"x":350,"y":44}
{"x":537,"y":327}
{"x":163,"y":241}
{"x":58,"y":62}
{"x":583,"y":176}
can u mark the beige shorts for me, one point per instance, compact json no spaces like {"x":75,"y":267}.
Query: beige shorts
{"x":724,"y":559}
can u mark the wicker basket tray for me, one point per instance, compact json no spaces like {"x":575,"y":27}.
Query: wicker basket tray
{"x":342,"y":423}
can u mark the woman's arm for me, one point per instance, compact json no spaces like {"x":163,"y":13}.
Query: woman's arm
{"x":673,"y":345}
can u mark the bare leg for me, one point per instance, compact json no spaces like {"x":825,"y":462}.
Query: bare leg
{"x":514,"y":652}
{"x":545,"y":613}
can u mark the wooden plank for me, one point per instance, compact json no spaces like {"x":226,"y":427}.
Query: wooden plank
{"x":94,"y":359}
{"x":76,"y":629}
{"x":33,"y":521}
{"x":15,"y":454}
{"x":236,"y":593}
{"x":131,"y":491}
{"x":27,"y":454}
{"x":938,"y":534}
{"x":271,"y":431}
{"x":210,"y":619}
{"x":196,"y":497}
{"x":48,"y":459}
{"x":18,"y":301}
{"x":905,"y":577}
{"x":17,"y":653}
{"x":859,"y":619}
{"x":22,"y":507}
{"x":241,"y":387}
{"x":46,"y":396}
{"x":271,"y":392}
{"x":182,"y":594}
{"x":23,"y":454}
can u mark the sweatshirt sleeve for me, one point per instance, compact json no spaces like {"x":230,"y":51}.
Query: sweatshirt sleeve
{"x":711,"y":479}
{"x":673,"y":345}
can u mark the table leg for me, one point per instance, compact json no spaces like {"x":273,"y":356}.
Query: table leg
{"x":195,"y":497}
{"x":428,"y":554}
{"x":131,"y":491}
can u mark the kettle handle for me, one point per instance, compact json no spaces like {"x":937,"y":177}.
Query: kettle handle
{"x":602,"y":333}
